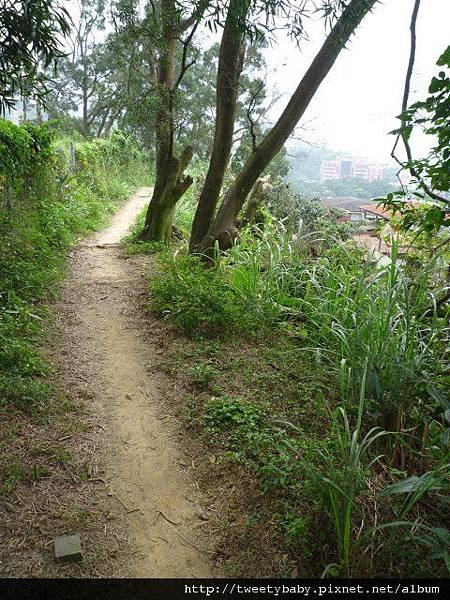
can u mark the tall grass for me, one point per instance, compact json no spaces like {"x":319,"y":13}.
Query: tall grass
{"x":353,"y":315}
{"x":376,"y":331}
{"x":262,"y":273}
{"x":345,"y":310}
{"x":360,"y":315}
{"x":336,"y":474}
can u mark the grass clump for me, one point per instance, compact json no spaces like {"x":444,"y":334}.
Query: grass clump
{"x":133,"y":243}
{"x":197,"y":300}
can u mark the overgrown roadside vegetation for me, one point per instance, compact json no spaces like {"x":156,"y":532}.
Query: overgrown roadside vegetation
{"x":57,"y":189}
{"x":318,"y":376}
{"x":312,"y":373}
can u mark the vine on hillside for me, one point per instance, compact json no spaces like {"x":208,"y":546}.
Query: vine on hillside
{"x":431,"y":175}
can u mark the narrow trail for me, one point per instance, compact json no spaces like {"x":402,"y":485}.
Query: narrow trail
{"x":105,"y":353}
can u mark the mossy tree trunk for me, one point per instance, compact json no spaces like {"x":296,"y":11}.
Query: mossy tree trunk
{"x":255,"y":201}
{"x":158,"y":225}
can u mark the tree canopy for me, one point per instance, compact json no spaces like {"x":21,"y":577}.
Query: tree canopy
{"x":31,"y":40}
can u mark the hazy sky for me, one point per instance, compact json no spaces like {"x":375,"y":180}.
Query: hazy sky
{"x":356,"y":105}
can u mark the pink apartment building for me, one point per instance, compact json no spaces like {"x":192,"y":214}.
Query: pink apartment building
{"x":350,"y":167}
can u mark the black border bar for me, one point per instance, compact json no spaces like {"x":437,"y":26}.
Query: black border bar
{"x":233,"y":589}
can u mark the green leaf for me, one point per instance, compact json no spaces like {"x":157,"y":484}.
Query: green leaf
{"x":414,"y":483}
{"x":444,"y":59}
{"x":438,"y":396}
{"x":445,"y":438}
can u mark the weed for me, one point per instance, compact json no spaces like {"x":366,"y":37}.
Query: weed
{"x":10,"y":474}
{"x":55,"y":453}
{"x":195,"y":299}
{"x":298,"y":532}
{"x":202,"y":374}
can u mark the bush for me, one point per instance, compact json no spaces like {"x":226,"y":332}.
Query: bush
{"x":343,"y":309}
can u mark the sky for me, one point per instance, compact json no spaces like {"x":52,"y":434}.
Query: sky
{"x":355,"y":107}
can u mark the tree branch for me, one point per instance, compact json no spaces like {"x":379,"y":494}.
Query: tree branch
{"x":252,"y":104}
{"x":184,"y":65}
{"x":403,"y":135}
{"x":195,"y":17}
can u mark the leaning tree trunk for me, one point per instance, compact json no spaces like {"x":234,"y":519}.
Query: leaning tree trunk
{"x":223,"y":229}
{"x":255,"y":201}
{"x":170,"y":183}
{"x":231,"y":58}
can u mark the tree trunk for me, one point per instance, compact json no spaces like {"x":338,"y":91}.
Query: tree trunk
{"x":231,"y":58}
{"x":170,"y":183}
{"x":159,"y":225}
{"x":114,"y":115}
{"x":38,"y":112}
{"x":84,"y":117}
{"x":255,"y":200}
{"x":85,"y":100}
{"x":102,"y":123}
{"x":24,"y":109}
{"x":223,"y":229}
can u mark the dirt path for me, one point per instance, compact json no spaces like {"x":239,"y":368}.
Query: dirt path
{"x":106,"y":352}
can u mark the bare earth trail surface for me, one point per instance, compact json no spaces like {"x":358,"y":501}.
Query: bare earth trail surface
{"x":105,"y":350}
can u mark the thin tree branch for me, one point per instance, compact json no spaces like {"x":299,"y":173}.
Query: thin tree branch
{"x":184,"y":65}
{"x":195,"y":16}
{"x":252,"y":104}
{"x":403,"y":135}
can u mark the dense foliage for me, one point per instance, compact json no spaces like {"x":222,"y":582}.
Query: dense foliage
{"x":31,"y":35}
{"x":366,"y":345}
{"x":431,"y":174}
{"x":318,"y":366}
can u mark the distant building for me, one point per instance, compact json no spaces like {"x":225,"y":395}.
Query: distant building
{"x":346,"y":167}
{"x":350,"y":167}
{"x":375,"y":173}
{"x":356,"y":210}
{"x":330,"y":169}
{"x":360,"y":168}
